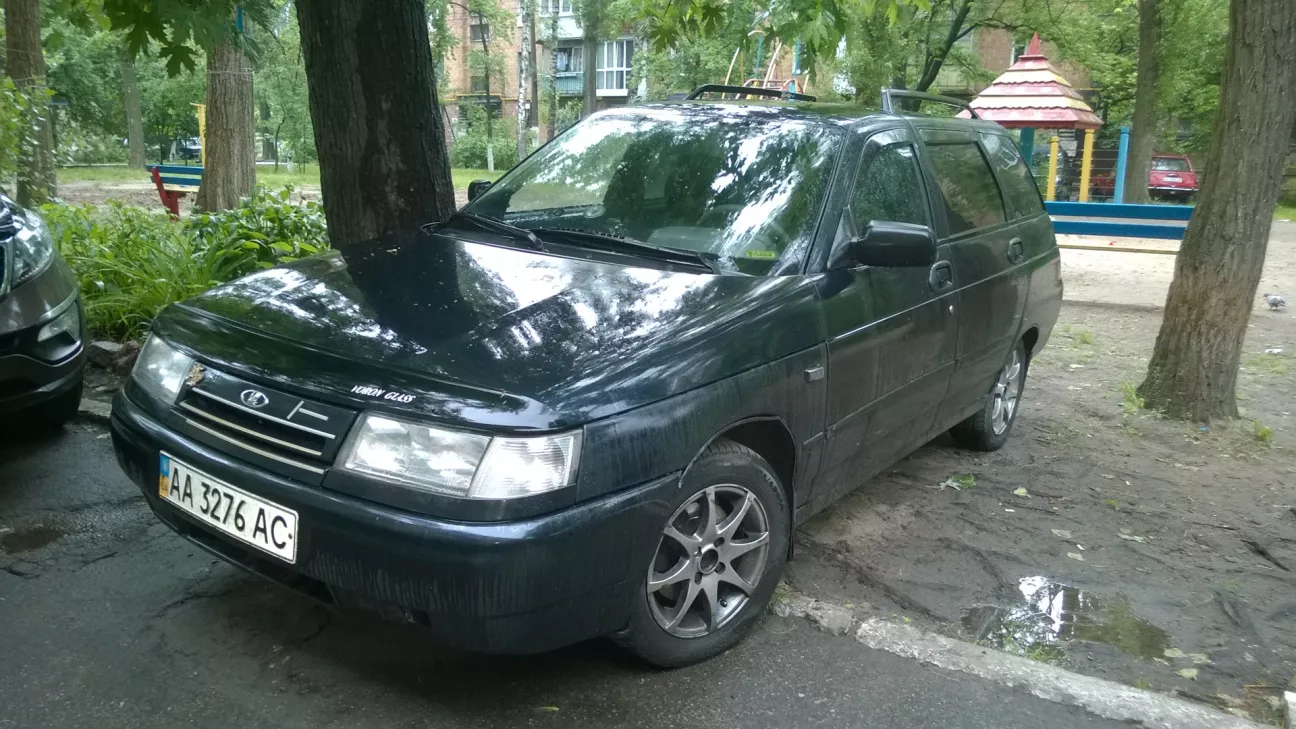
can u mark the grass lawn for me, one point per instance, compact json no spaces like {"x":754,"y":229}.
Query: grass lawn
{"x":1285,"y":212}
{"x":301,"y":175}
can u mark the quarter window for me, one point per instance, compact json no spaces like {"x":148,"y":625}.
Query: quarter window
{"x":967,"y":185}
{"x":1019,"y":188}
{"x":890,"y":188}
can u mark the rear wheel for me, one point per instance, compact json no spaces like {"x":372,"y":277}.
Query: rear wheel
{"x":988,"y":430}
{"x":718,"y":560}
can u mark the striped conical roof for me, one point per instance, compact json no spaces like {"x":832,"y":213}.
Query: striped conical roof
{"x":1031,"y":93}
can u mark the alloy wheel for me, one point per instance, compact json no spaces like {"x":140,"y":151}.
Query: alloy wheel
{"x":1006,"y":392}
{"x":709,"y":561}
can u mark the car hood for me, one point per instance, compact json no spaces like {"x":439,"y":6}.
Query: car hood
{"x":491,"y":335}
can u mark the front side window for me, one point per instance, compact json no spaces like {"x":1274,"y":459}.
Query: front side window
{"x":1019,"y":188}
{"x":967,"y":186}
{"x":889,"y":188}
{"x":743,"y":185}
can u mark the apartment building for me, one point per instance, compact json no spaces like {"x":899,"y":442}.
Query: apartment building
{"x":565,"y":59}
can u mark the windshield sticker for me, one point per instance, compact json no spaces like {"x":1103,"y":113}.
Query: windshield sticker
{"x":380,"y":393}
{"x":762,"y":255}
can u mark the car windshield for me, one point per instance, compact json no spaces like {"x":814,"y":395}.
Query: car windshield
{"x":1170,"y":164}
{"x":743,"y":185}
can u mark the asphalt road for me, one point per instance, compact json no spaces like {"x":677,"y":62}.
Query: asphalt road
{"x":107,"y":619}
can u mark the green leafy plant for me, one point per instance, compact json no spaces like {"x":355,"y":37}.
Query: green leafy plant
{"x":469,"y":148}
{"x":1131,"y":403}
{"x":1262,"y":432}
{"x":133,"y":262}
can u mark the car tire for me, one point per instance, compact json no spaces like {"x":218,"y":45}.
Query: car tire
{"x":691,"y":619}
{"x":990,"y":427}
{"x":53,"y":413}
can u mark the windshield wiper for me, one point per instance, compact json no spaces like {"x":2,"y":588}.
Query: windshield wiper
{"x":639,"y":248}
{"x":495,"y":226}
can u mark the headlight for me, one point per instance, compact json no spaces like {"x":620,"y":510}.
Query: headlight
{"x":160,"y":370}
{"x":33,"y":248}
{"x":460,"y":464}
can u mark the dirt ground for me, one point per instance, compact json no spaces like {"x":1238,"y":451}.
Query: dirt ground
{"x":1147,"y":551}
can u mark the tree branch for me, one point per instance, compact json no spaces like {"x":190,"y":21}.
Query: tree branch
{"x":934,"y":62}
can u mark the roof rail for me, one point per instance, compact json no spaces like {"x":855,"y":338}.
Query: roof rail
{"x":889,"y":94}
{"x":748,"y":91}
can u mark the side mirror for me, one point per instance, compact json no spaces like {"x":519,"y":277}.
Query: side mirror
{"x":888,"y":245}
{"x":476,"y":188}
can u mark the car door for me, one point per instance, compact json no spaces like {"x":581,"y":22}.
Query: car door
{"x":890,"y":331}
{"x":984,"y":248}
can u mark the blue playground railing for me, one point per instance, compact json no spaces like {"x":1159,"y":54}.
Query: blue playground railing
{"x":1067,"y":218}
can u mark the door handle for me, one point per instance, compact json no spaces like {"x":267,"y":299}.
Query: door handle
{"x":1016,"y":251}
{"x":941,"y":276}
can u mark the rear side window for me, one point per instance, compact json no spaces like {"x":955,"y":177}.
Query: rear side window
{"x":971,"y":195}
{"x":1019,"y":188}
{"x":890,"y":188}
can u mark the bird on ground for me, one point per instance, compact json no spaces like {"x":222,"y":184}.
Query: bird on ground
{"x":1274,"y":301}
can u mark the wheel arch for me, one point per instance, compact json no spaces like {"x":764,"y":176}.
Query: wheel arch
{"x":770,"y":438}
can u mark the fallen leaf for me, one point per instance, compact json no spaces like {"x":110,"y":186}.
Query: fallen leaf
{"x":959,"y":482}
{"x":1062,"y":534}
{"x":1022,"y":492}
{"x":1011,"y":511}
{"x":1173,"y":653}
{"x":1108,"y":475}
{"x":547,"y":708}
{"x":1188,"y":673}
{"x":1076,"y":557}
{"x":1132,"y":538}
{"x":1199,"y":658}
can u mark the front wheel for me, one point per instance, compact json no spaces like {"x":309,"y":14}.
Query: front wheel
{"x":718,"y":560}
{"x":988,"y":429}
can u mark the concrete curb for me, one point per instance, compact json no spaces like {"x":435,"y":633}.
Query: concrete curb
{"x":1107,"y":699}
{"x":95,"y":410}
{"x":1290,"y":718}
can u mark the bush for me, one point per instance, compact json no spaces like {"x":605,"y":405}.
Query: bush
{"x":469,"y":148}
{"x":133,"y":262}
{"x":79,"y":146}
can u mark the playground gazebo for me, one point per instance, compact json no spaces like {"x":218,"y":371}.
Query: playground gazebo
{"x":1032,"y":95}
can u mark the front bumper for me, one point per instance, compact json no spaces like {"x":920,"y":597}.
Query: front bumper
{"x":31,"y":372}
{"x":502,"y":587}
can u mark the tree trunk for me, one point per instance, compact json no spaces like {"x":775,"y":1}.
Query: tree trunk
{"x":525,"y":71}
{"x":933,"y":64}
{"x":552,"y":93}
{"x":383,"y":160}
{"x":26,"y":66}
{"x":269,"y":146}
{"x":1194,"y":365}
{"x":533,"y":115}
{"x":134,"y":116}
{"x":589,"y":29}
{"x":229,"y":171}
{"x":1144,"y":127}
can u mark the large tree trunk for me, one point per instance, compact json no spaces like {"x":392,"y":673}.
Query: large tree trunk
{"x":525,"y":70}
{"x":590,"y":23}
{"x":1194,"y":366}
{"x":383,"y":160}
{"x":26,"y":66}
{"x":552,"y":91}
{"x":134,"y":115}
{"x":1143,"y":133}
{"x":229,"y":172}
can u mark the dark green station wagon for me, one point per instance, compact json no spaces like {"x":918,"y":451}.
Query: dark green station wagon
{"x":597,"y":401}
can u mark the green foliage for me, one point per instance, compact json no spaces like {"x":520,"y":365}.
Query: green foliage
{"x":280,"y":86}
{"x":469,"y":148}
{"x":20,"y":116}
{"x":176,"y":29}
{"x":1262,"y":432}
{"x":132,"y":262}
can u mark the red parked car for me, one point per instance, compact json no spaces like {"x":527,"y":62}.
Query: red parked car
{"x":1171,"y":177}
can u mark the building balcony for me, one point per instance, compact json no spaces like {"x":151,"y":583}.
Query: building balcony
{"x":570,"y":83}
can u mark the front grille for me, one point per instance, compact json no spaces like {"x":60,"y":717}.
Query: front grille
{"x":255,"y":422}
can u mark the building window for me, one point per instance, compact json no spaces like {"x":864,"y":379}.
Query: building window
{"x":614,"y":67}
{"x":567,"y":59}
{"x":477,"y":32}
{"x":549,"y":7}
{"x":477,"y":84}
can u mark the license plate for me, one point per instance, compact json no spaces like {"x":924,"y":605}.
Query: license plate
{"x":1173,"y":178}
{"x":249,"y":519}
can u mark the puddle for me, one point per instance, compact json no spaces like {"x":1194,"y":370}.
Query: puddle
{"x":1051,"y":614}
{"x":27,"y":539}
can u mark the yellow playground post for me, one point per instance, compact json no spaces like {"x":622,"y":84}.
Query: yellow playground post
{"x":202,"y":132}
{"x":1051,"y":187}
{"x":1085,"y":164}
